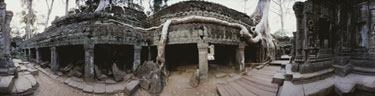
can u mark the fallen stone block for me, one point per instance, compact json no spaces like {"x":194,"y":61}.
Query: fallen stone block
{"x":22,"y":84}
{"x":131,"y":87}
{"x":6,"y":83}
{"x":156,"y":85}
{"x":33,"y":71}
{"x":31,"y":79}
{"x":194,"y":80}
{"x":145,"y":84}
{"x":117,"y":73}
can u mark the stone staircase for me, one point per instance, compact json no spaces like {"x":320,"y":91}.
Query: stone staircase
{"x":255,"y":83}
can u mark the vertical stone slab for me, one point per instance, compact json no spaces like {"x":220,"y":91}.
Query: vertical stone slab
{"x":203,"y":61}
{"x":54,"y":65}
{"x":298,"y":9}
{"x":29,"y":54}
{"x":137,"y":56}
{"x":37,"y":55}
{"x":89,"y":62}
{"x":6,"y":32}
{"x":240,"y":58}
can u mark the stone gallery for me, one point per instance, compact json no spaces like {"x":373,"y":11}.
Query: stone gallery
{"x":191,"y":48}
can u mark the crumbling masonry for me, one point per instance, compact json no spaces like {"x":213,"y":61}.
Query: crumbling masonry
{"x":126,"y":36}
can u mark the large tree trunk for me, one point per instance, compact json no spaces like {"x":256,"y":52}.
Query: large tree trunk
{"x":66,"y":7}
{"x":49,"y":12}
{"x":28,"y":22}
{"x":281,"y":14}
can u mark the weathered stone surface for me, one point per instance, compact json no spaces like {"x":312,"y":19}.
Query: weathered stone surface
{"x":6,"y":83}
{"x":145,"y":84}
{"x":99,"y":88}
{"x":114,"y":88}
{"x":131,"y":87}
{"x":22,"y":84}
{"x":289,"y":89}
{"x":194,"y":79}
{"x":146,"y":68}
{"x":67,"y":81}
{"x":88,"y":88}
{"x":33,"y":71}
{"x":73,"y":84}
{"x":156,"y":85}
{"x":31,"y":79}
{"x":117,"y":73}
{"x":98,"y":73}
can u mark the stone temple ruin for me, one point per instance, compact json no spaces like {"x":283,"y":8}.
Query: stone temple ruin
{"x":107,"y":47}
{"x":333,"y":49}
{"x":114,"y":41}
{"x":13,"y":79}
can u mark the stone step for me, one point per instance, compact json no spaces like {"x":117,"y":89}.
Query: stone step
{"x":278,"y":78}
{"x":6,"y":84}
{"x":310,"y":76}
{"x":288,"y":72}
{"x":289,"y":89}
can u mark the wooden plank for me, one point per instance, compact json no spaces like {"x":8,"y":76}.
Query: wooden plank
{"x":231,"y":91}
{"x":265,"y":73}
{"x":255,"y":90}
{"x":270,"y":89}
{"x":241,"y":90}
{"x":222,"y":91}
{"x":263,"y":77}
{"x":259,"y":81}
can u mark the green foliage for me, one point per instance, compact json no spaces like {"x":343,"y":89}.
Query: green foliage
{"x":281,"y":32}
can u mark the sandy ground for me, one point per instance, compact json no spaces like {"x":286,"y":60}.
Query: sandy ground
{"x":177,"y":84}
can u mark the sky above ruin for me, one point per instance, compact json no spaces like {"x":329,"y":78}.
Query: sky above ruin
{"x":59,"y":10}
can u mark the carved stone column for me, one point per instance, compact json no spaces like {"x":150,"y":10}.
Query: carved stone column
{"x":6,"y":32}
{"x":89,"y":62}
{"x":203,"y":61}
{"x":298,"y":8}
{"x":137,"y":56}
{"x":299,"y":36}
{"x":54,"y":64}
{"x":240,"y":58}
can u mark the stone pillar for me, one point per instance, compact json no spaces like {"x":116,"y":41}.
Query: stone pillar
{"x":54,"y":64}
{"x":37,"y":55}
{"x":203,"y":61}
{"x":137,"y":56}
{"x":29,"y":54}
{"x":24,"y":52}
{"x":89,"y":62}
{"x":6,"y":33}
{"x":240,"y":58}
{"x":298,"y":8}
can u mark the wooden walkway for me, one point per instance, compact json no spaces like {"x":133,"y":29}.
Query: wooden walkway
{"x":257,"y":83}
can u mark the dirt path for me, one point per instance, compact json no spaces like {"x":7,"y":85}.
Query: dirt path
{"x":51,"y":87}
